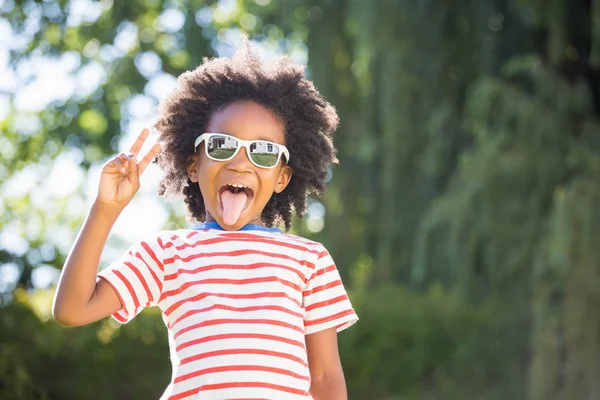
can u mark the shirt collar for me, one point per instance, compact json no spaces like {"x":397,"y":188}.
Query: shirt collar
{"x":249,"y":227}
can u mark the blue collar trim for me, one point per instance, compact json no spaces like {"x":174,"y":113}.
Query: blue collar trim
{"x":249,"y":227}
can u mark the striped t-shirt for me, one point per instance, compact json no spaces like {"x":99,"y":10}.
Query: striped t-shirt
{"x":237,"y":306}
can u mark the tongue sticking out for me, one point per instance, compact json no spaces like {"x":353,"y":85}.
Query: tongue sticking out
{"x":233,"y":205}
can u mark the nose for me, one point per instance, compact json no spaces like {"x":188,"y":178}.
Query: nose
{"x":241,"y":162}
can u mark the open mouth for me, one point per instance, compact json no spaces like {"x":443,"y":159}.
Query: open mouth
{"x":235,"y":189}
{"x":234,"y":199}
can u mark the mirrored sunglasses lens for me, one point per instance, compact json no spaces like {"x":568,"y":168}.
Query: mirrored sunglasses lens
{"x":221,"y":147}
{"x":264,"y":154}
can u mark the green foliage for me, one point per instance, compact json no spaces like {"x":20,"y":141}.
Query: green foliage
{"x":462,"y":125}
{"x":41,"y":360}
{"x":411,"y":345}
{"x":463,"y":214}
{"x":403,"y":342}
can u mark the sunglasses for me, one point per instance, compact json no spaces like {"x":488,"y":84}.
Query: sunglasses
{"x":262,"y":153}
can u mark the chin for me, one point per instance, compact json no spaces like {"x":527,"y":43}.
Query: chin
{"x":238,"y":225}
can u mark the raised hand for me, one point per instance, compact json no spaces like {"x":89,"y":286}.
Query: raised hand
{"x":120,"y":178}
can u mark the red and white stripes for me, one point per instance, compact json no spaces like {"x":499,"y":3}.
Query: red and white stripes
{"x":237,"y":306}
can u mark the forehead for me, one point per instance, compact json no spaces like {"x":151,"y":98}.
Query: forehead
{"x":247,"y":120}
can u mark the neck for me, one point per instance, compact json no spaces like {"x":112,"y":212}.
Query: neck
{"x":255,"y":221}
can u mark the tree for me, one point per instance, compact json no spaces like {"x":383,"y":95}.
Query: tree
{"x":467,"y":180}
{"x":124,"y":52}
{"x":469,"y":138}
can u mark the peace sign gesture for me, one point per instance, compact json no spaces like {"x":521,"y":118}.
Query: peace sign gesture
{"x":120,"y":179}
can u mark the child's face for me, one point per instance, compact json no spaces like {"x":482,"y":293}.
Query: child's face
{"x":245,"y":120}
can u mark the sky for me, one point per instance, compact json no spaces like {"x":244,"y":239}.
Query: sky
{"x":40,"y":80}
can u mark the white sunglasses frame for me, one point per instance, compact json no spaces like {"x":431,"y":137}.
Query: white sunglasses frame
{"x":242,"y":143}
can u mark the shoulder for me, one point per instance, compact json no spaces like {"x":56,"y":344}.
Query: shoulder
{"x":311,"y":246}
{"x":299,"y":239}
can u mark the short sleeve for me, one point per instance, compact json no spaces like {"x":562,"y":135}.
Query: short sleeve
{"x":137,"y":277}
{"x":326,"y":303}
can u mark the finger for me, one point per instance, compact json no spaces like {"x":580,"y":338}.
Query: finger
{"x":118,"y":162}
{"x":149,"y":157}
{"x":137,"y":146}
{"x":134,"y":176}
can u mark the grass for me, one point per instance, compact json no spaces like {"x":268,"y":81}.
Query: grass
{"x":260,"y":158}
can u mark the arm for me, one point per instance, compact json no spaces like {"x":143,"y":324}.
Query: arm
{"x":80,"y":299}
{"x":327,"y":376}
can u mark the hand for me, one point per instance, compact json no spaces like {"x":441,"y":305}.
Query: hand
{"x":120,"y":179}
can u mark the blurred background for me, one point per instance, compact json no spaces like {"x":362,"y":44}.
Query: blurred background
{"x":464,"y":214}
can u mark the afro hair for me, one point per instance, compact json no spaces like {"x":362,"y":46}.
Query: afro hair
{"x":278,"y":85}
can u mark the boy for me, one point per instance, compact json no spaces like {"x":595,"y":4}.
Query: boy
{"x":251,"y":312}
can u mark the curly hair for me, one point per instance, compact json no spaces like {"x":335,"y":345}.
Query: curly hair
{"x":280,"y":86}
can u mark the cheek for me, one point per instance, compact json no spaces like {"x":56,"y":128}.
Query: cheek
{"x":268,"y":180}
{"x":207,"y":180}
{"x":207,"y":168}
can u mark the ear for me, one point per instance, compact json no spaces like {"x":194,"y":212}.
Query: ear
{"x":285,"y":175}
{"x":192,"y":169}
